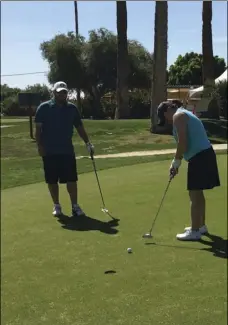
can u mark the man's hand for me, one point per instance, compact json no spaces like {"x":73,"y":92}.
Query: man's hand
{"x":41,"y":151}
{"x":173,"y":170}
{"x":90,"y":148}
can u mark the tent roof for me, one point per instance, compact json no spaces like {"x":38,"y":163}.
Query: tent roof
{"x":199,"y":90}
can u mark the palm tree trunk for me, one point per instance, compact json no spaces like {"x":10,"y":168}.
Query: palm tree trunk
{"x":208,"y":58}
{"x":77,"y":33}
{"x":122,"y":109}
{"x":207,"y":45}
{"x":159,"y":78}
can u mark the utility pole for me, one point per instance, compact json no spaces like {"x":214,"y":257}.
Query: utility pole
{"x":77,"y":33}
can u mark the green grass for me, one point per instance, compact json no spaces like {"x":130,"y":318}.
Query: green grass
{"x":28,"y":171}
{"x":107,"y":136}
{"x":21,"y":164}
{"x":54,"y":274}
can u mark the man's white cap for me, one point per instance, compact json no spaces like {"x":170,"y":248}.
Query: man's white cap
{"x":59,"y":86}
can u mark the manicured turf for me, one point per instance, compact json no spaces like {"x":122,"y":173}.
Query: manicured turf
{"x":55,"y":274}
{"x":21,"y":164}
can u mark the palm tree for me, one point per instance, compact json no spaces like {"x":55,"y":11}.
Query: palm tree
{"x":122,"y":109}
{"x":159,"y":77}
{"x":208,"y":59}
{"x":77,"y":33}
{"x":207,"y":45}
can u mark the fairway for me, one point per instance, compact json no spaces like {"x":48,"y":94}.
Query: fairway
{"x":54,"y":274}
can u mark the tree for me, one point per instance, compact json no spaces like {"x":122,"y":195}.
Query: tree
{"x":43,"y":90}
{"x":159,"y":88}
{"x":122,"y":109}
{"x":208,"y":62}
{"x":140,"y":66}
{"x":92,"y":65}
{"x":64,"y":55}
{"x":207,"y":46}
{"x":187,"y":69}
{"x":100,"y":62}
{"x":7,"y":91}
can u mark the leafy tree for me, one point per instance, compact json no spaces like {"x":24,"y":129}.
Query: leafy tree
{"x":43,"y":90}
{"x":92,"y":65}
{"x":64,"y":55}
{"x":7,"y":91}
{"x":187,"y":69}
{"x":9,"y":98}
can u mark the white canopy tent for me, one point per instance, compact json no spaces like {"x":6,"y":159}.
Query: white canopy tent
{"x":195,"y":93}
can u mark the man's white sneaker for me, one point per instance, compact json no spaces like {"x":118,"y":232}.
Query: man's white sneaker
{"x":190,"y":235}
{"x":203,"y":230}
{"x":57,"y":211}
{"x":77,"y":211}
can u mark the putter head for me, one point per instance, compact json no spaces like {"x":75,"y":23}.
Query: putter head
{"x":104,"y":210}
{"x":147,"y":235}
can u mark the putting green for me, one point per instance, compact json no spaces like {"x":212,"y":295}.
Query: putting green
{"x":52,"y":275}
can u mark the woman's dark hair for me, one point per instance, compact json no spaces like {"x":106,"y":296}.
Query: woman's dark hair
{"x":177,"y":103}
{"x":162,"y":108}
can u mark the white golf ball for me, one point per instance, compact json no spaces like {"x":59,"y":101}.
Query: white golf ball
{"x":129,"y":250}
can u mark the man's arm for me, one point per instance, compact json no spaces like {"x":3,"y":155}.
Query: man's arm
{"x":38,"y":133}
{"x":180,"y":123}
{"x":39,"y":119}
{"x":82,"y":133}
{"x":79,"y":125}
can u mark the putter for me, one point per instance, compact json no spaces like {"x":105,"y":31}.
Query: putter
{"x":149,"y":234}
{"x":104,"y":209}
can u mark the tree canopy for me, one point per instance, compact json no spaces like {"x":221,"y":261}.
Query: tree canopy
{"x":187,"y":69}
{"x":91,"y":64}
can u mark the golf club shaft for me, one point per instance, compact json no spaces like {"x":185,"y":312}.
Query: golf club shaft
{"x":95,"y":170}
{"x":160,"y":206}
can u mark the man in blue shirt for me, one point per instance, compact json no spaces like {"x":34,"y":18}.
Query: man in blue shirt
{"x":55,"y":121}
{"x":194,"y":146}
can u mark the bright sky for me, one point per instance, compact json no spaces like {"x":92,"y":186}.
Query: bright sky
{"x":26,"y":24}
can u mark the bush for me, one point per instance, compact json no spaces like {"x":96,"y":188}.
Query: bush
{"x":220,"y":95}
{"x":139,"y":102}
{"x":11,"y":107}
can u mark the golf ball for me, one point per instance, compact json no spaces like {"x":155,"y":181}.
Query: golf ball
{"x":129,"y":250}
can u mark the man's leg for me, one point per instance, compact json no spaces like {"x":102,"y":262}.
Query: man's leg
{"x":69,"y":176}
{"x":197,"y":200}
{"x":54,"y":191}
{"x":73,"y":192}
{"x":51,"y":177}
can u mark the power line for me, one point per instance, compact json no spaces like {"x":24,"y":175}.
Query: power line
{"x":23,"y":74}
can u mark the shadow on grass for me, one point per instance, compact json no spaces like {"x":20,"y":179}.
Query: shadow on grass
{"x":87,"y":223}
{"x":217,"y":246}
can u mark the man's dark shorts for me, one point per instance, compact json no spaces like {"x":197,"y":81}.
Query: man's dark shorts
{"x":203,"y":171}
{"x":60,"y":169}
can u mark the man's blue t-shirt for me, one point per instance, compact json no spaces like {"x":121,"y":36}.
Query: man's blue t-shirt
{"x":58,"y":124}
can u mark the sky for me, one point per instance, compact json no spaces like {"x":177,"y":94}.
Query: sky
{"x":26,"y":24}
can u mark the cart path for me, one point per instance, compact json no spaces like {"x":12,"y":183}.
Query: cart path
{"x":217,"y":147}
